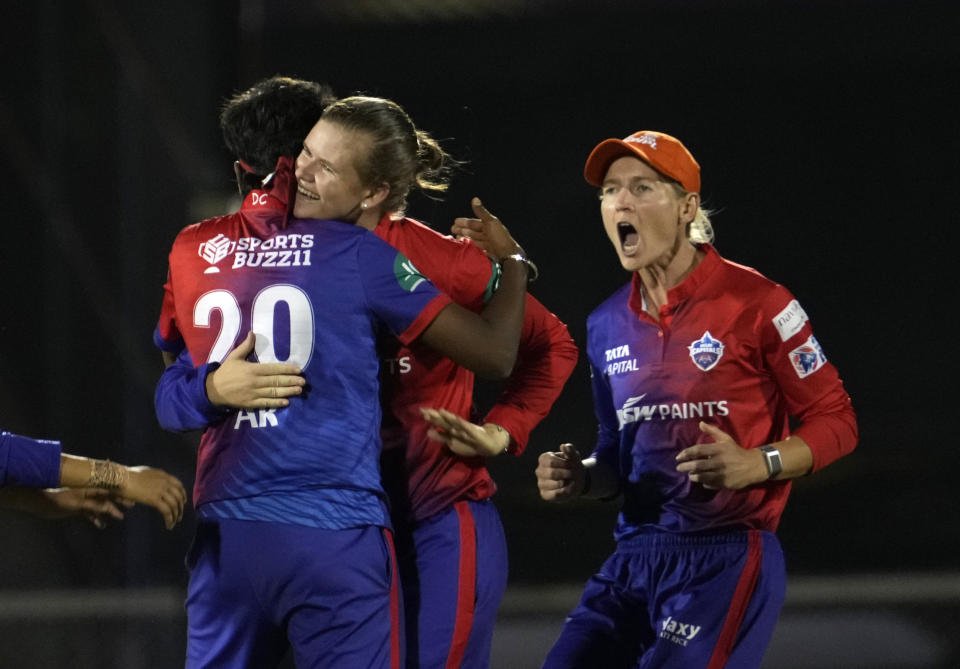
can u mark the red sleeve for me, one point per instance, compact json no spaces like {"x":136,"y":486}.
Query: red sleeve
{"x":545,"y":359}
{"x":425,"y":318}
{"x":167,"y":335}
{"x":810,"y":385}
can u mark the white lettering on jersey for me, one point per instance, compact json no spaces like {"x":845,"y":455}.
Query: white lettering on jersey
{"x":290,"y":250}
{"x":398,"y":365}
{"x":790,"y":320}
{"x":634,"y":413}
{"x":617,"y":352}
{"x":262,"y":418}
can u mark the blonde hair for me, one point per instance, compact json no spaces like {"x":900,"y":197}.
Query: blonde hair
{"x":700,"y":229}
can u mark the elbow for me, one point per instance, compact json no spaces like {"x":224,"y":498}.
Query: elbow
{"x":499,"y":366}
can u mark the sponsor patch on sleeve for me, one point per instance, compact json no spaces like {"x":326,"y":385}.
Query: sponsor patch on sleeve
{"x":808,"y":357}
{"x":790,"y":320}
{"x":408,"y":276}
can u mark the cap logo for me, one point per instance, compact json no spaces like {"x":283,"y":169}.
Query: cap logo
{"x":643,"y":138}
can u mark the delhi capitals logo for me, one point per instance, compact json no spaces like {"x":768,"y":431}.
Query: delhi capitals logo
{"x":808,"y":357}
{"x":216,"y":249}
{"x":706,"y":352}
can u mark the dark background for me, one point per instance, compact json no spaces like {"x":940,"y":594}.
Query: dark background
{"x":827,"y":135}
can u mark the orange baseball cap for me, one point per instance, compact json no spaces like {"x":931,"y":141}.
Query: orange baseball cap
{"x":662,"y":152}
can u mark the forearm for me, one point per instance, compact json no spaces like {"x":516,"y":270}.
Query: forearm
{"x":80,"y":472}
{"x":503,"y":315}
{"x":180,"y":400}
{"x":487,"y":343}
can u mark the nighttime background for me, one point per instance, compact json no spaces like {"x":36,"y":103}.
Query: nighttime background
{"x":827,"y":137}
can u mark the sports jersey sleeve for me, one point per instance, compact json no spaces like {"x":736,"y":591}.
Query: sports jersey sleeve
{"x":607,"y":449}
{"x":167,"y":335}
{"x":396,"y":291}
{"x":180,"y":399}
{"x":31,"y":463}
{"x":810,"y":385}
{"x":545,"y":359}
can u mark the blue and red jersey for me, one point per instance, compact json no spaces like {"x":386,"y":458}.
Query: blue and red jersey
{"x":423,"y":476}
{"x":316,"y":293}
{"x":732,"y":349}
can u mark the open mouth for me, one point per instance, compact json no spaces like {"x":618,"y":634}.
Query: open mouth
{"x":307,"y":194}
{"x":629,"y":239}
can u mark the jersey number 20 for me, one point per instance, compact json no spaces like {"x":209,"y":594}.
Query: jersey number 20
{"x":263,"y":313}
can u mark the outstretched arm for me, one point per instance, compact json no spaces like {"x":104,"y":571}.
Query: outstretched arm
{"x":486,"y":343}
{"x":146,"y":485}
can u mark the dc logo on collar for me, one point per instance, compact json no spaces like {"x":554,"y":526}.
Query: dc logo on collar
{"x":706,"y":352}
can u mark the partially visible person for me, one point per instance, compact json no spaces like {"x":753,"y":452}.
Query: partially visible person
{"x":711,"y":393}
{"x":301,"y":483}
{"x":36,"y":476}
{"x":451,"y":544}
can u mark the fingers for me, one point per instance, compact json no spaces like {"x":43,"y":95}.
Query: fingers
{"x":569,"y":451}
{"x":698,"y":452}
{"x":480,"y":211}
{"x":713,"y":431}
{"x":244,"y":348}
{"x":445,"y":420}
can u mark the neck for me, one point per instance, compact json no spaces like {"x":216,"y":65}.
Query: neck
{"x":668,"y":271}
{"x":369,"y":219}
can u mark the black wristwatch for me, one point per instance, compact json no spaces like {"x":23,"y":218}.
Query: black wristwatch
{"x":771,"y":456}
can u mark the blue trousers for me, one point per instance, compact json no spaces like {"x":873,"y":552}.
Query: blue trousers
{"x":665,"y":601}
{"x":257,"y":587}
{"x":453,"y":567}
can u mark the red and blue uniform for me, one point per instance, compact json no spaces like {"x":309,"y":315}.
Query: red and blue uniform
{"x":316,"y":293}
{"x":453,"y":554}
{"x":451,"y":544}
{"x":697,"y":579}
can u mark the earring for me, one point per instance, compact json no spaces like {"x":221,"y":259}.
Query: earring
{"x":363,"y":205}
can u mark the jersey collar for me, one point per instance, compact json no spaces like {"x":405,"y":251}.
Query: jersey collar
{"x":680,"y":293}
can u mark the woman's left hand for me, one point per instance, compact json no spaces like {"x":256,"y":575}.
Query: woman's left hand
{"x":463,"y":437}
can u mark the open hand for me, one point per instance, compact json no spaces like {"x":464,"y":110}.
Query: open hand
{"x":156,"y":488}
{"x":463,"y":437}
{"x":241,"y":384}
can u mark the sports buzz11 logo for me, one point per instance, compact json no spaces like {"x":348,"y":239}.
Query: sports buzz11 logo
{"x":706,"y":352}
{"x":408,"y":276}
{"x":216,"y":249}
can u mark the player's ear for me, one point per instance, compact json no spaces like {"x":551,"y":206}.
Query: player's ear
{"x":377,"y":195}
{"x":689,"y":205}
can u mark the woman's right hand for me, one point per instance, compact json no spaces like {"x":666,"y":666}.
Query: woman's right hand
{"x":487,"y":232}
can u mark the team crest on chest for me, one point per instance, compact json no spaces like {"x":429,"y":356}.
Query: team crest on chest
{"x":706,"y":352}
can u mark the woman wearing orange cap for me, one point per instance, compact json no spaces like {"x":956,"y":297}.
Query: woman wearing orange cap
{"x":700,"y":366}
